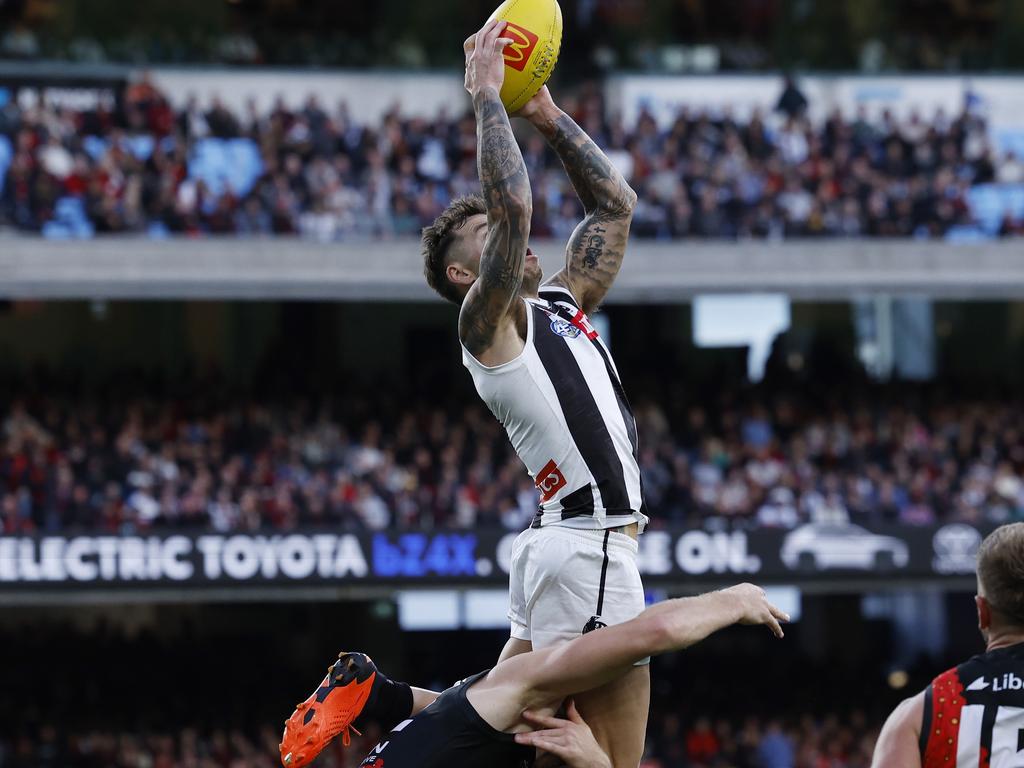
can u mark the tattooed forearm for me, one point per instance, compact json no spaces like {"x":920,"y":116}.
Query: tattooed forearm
{"x":597,"y":182}
{"x":506,"y":189}
{"x":597,"y":246}
{"x":498,"y":156}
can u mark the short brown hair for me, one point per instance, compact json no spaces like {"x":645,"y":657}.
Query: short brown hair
{"x":437,"y":239}
{"x":1001,"y":571}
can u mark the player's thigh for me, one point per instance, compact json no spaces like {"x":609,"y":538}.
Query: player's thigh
{"x":617,"y":714}
{"x":617,"y":711}
{"x":518,"y":611}
{"x":578,"y":581}
{"x":514,"y":647}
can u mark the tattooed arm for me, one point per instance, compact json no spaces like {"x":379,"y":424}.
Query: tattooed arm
{"x":596,"y":248}
{"x":486,"y":320}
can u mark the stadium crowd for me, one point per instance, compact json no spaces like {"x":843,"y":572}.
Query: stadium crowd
{"x":195,"y":685}
{"x":810,"y":742}
{"x":318,"y":171}
{"x":777,"y":461}
{"x":217,"y":714}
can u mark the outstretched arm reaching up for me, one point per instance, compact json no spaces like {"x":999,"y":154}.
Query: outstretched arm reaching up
{"x":595,"y":250}
{"x":486,"y":310}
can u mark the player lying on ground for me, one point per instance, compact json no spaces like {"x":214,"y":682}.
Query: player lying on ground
{"x":972,"y":715}
{"x":480,"y":722}
{"x":547,"y":375}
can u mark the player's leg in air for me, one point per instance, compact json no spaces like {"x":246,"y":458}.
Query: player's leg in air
{"x":353,"y":691}
{"x":564,"y":583}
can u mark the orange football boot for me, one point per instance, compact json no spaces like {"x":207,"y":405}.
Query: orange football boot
{"x":330,"y":710}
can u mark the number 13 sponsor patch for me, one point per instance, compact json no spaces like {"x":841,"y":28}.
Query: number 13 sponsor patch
{"x":549,"y":480}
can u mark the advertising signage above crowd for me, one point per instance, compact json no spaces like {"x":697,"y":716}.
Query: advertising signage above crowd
{"x":826,"y":554}
{"x":79,"y":89}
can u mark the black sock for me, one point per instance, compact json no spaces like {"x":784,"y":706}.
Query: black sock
{"x":389,"y":704}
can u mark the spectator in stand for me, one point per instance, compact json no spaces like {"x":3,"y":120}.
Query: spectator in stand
{"x":702,"y":744}
{"x":327,"y":177}
{"x":1011,"y":170}
{"x":817,"y":743}
{"x":792,"y":101}
{"x":776,"y":748}
{"x":136,"y":466}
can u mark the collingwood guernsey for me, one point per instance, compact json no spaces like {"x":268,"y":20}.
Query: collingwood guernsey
{"x":567,"y":416}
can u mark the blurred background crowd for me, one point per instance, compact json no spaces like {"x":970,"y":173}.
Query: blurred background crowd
{"x":766,"y":459}
{"x":606,"y":35}
{"x":811,"y":741}
{"x":795,"y":721}
{"x":322,"y":172}
{"x":133,"y":404}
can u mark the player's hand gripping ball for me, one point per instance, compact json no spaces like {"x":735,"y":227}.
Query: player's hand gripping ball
{"x":535,"y":28}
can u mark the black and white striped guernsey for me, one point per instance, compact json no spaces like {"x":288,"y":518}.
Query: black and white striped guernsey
{"x":564,"y":409}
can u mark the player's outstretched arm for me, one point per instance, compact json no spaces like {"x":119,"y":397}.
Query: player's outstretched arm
{"x":544,"y":678}
{"x":506,"y":189}
{"x":898,"y":744}
{"x":600,"y":656}
{"x":597,"y":246}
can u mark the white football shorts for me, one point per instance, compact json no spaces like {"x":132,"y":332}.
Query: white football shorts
{"x":565,"y":582}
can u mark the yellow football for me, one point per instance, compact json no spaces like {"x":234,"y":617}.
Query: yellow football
{"x":535,"y":27}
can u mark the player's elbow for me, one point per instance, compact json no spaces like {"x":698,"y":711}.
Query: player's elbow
{"x":622,"y":204}
{"x":659,"y":634}
{"x":629,"y":198}
{"x":668,"y":631}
